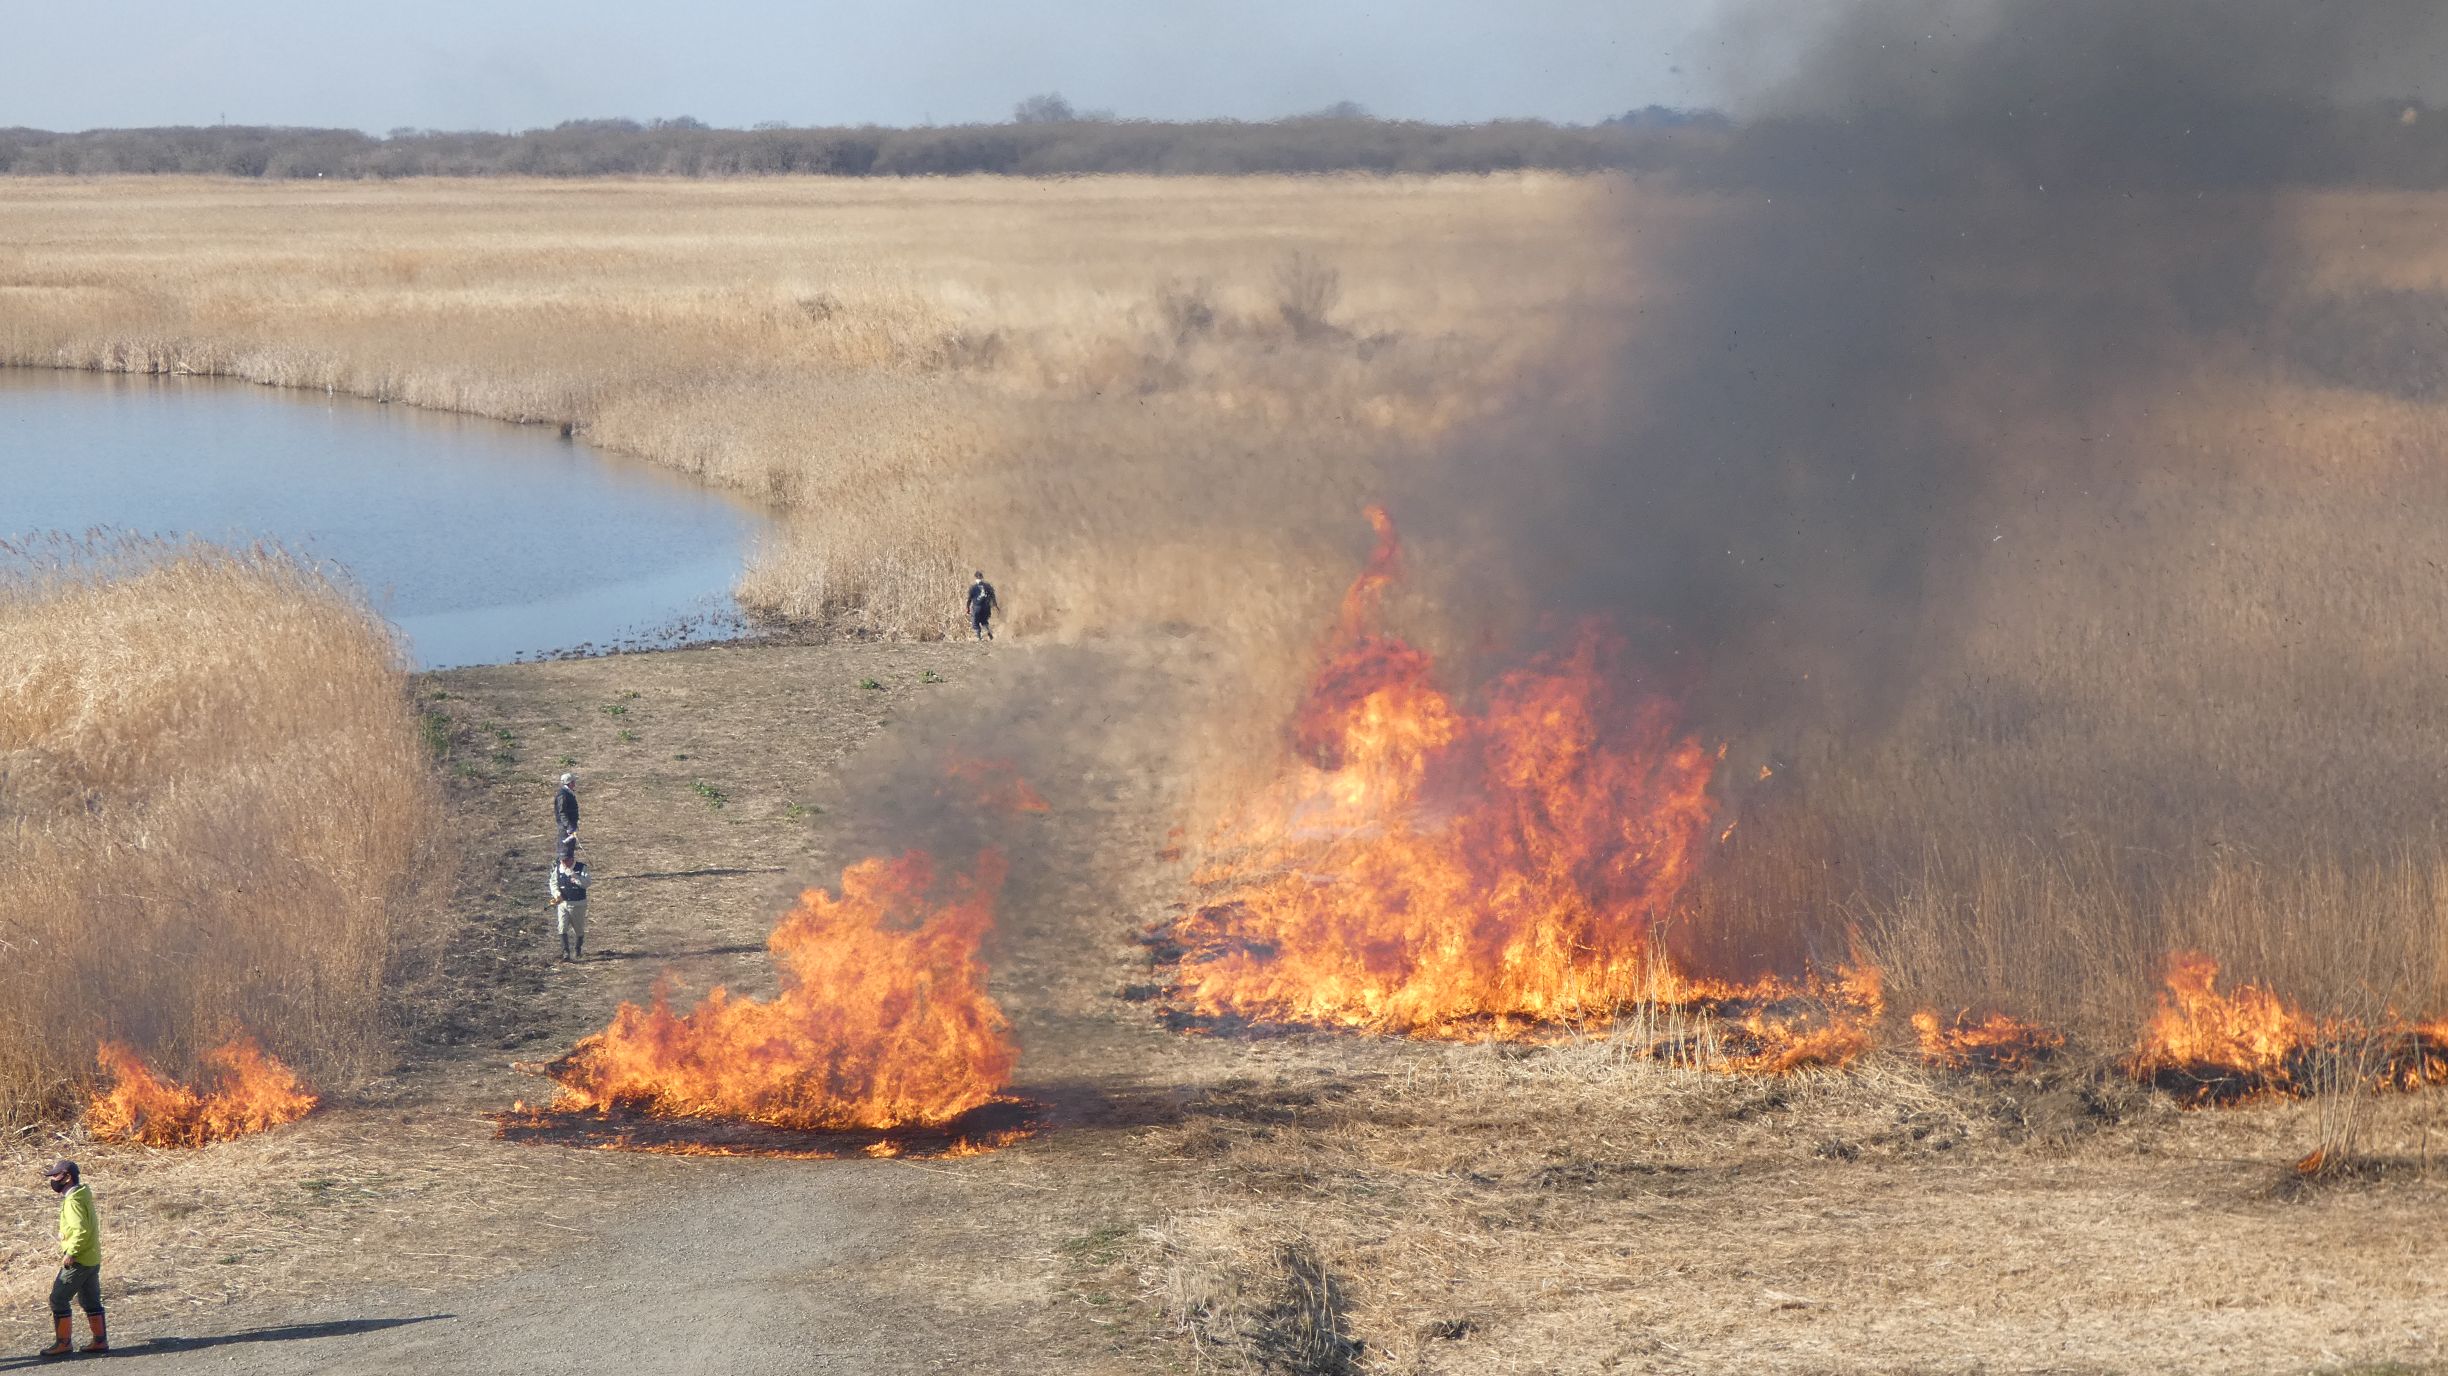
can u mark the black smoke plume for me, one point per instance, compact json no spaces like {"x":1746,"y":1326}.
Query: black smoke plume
{"x":1941,"y":224}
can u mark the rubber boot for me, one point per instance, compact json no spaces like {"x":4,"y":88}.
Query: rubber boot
{"x":62,"y":1347}
{"x":565,"y":946}
{"x":101,"y":1335}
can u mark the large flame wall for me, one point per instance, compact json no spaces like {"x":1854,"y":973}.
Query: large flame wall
{"x":883,"y":1020}
{"x":1426,"y":867}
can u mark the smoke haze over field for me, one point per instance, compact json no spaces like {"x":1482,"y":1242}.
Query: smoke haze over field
{"x":1973,"y":220}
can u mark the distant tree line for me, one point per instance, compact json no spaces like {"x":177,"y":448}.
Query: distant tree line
{"x":1046,"y":140}
{"x":2389,"y":144}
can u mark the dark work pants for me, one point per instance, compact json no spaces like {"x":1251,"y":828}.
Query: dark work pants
{"x":80,"y":1283}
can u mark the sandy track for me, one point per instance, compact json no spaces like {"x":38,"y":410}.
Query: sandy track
{"x":747,"y":1266}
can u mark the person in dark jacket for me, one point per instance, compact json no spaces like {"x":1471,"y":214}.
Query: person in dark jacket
{"x":565,"y":809}
{"x":981,"y":608}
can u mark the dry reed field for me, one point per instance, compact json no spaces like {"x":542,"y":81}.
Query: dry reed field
{"x":2200,"y":713}
{"x":1124,"y":386}
{"x":2188,"y":711}
{"x":217,"y":812}
{"x":2184,"y":699}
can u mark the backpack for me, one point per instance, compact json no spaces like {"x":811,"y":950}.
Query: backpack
{"x":981,"y":597}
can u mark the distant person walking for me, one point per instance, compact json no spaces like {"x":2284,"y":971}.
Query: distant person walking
{"x":568,"y":886}
{"x":565,"y":809}
{"x":981,"y":608}
{"x":80,"y":1268}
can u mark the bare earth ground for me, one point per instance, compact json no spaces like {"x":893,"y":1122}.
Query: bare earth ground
{"x":1192,"y":1199}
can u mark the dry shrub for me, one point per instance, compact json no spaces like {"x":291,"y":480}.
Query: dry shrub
{"x":217,"y":809}
{"x":1306,"y":291}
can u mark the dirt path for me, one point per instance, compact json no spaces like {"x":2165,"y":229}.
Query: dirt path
{"x":1471,"y":1209}
{"x":714,"y":788}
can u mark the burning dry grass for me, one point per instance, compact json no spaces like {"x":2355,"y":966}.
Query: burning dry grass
{"x":1994,"y":858}
{"x":216,"y":805}
{"x":248,"y":1091}
{"x":1121,"y":391}
{"x":1421,"y":867}
{"x":2192,"y":714}
{"x":2198,"y":715}
{"x":882,"y":1041}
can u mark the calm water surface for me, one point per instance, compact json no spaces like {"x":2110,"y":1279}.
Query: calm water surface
{"x":483,"y":542}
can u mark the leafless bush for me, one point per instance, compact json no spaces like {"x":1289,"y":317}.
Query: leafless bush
{"x":1187,"y":309}
{"x":1307,"y":290}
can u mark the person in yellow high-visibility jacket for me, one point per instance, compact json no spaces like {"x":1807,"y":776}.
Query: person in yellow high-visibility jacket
{"x":80,"y":1273}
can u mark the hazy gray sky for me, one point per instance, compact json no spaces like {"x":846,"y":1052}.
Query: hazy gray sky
{"x":76,"y":64}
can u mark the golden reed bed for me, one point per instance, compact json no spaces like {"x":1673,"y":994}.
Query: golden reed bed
{"x":885,"y":360}
{"x":2201,"y":715}
{"x":220,"y":816}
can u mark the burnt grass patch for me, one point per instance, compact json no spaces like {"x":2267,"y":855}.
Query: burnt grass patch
{"x":986,"y":1128}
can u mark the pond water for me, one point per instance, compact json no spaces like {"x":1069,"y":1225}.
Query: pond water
{"x":482,"y":542}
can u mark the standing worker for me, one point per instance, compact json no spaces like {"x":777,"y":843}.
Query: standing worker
{"x":565,"y":809}
{"x":569,"y":895}
{"x":981,"y":608}
{"x":80,"y":1271}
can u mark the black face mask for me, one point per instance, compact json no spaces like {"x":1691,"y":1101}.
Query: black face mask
{"x":60,"y":1186}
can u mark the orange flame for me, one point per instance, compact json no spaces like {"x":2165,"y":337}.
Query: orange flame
{"x":2206,"y":1045}
{"x":1994,"y":1043}
{"x":1428,"y":869}
{"x":250,"y":1092}
{"x":1821,"y":1023}
{"x":883,"y":1020}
